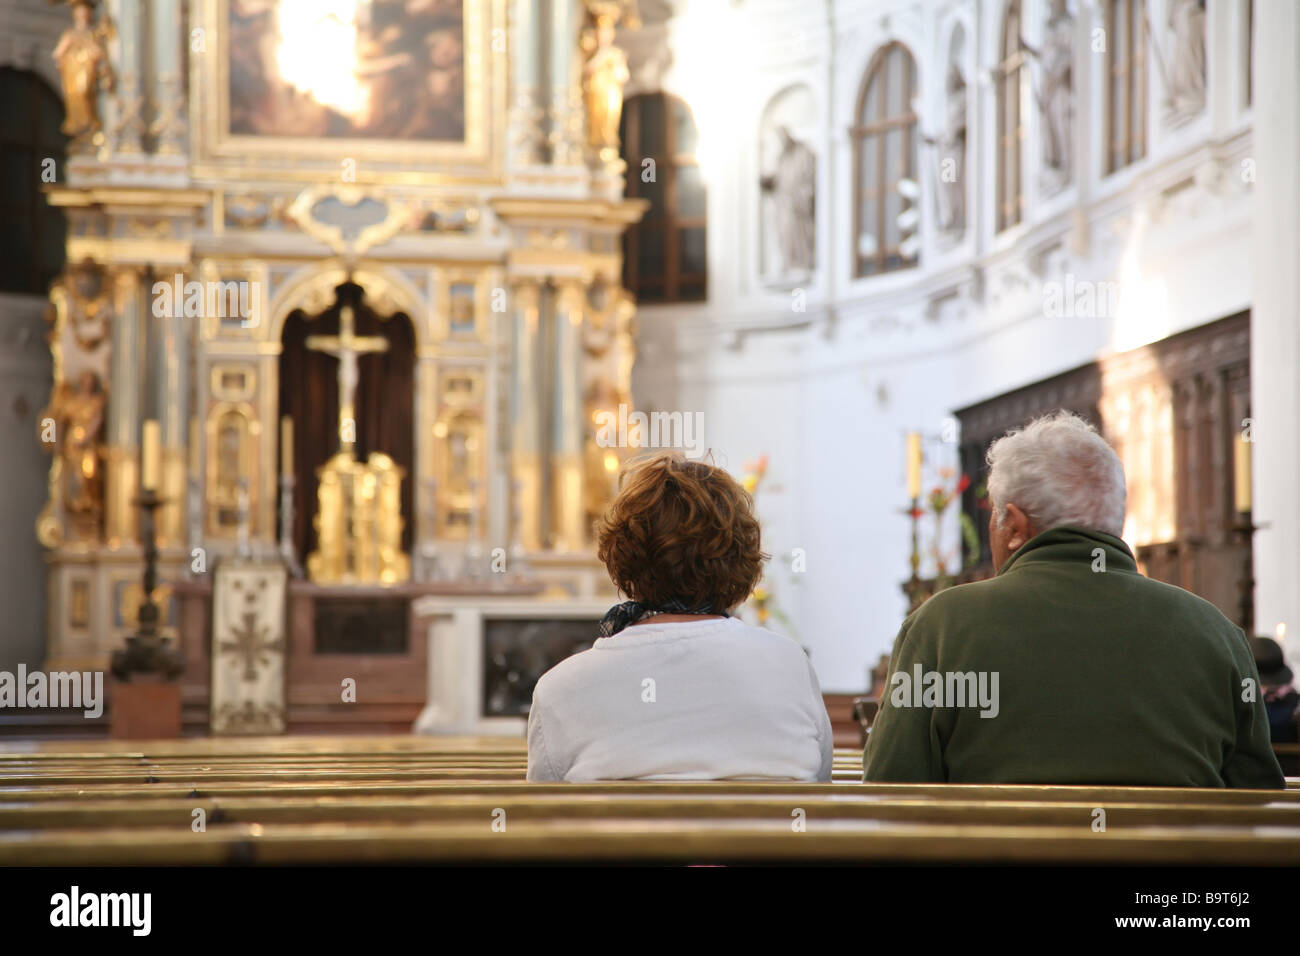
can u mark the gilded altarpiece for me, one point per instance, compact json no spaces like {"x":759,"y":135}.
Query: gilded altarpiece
{"x":462,"y":194}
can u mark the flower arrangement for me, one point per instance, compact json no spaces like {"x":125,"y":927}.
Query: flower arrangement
{"x":755,"y":472}
{"x":762,"y":602}
{"x":940,"y":498}
{"x":950,"y":488}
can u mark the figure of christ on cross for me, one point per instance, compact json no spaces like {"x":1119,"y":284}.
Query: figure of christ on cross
{"x":345,"y":347}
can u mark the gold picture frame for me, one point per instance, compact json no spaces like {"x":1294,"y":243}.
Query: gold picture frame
{"x":476,"y":159}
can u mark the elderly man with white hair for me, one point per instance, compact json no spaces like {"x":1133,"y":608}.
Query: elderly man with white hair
{"x":1068,"y":666}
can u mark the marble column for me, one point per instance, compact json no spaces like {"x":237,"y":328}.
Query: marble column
{"x":1274,"y":332}
{"x":168,"y":92}
{"x":567,"y":500}
{"x":122,"y":429}
{"x":566,"y":110}
{"x":169,"y":360}
{"x":126,"y":137}
{"x":526,"y":113}
{"x":526,"y":403}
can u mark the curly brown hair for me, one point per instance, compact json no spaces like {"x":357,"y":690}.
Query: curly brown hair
{"x":681,"y":530}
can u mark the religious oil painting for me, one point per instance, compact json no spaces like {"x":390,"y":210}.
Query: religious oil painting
{"x":347,"y":69}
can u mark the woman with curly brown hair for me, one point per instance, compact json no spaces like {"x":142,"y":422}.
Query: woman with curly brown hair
{"x":676,"y":688}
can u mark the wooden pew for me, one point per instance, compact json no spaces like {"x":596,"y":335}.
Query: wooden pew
{"x":291,"y":800}
{"x":610,"y":804}
{"x":676,"y":840}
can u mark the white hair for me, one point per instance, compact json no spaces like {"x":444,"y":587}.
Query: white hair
{"x":1058,"y":471}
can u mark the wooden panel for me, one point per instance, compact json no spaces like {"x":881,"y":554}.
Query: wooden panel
{"x":1171,"y":411}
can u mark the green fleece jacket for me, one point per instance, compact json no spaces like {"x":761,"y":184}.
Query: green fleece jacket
{"x":1070,"y":667}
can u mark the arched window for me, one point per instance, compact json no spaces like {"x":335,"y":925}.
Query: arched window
{"x":33,"y":234}
{"x":664,"y":254}
{"x":1126,"y":83}
{"x":1011,"y":78}
{"x":884,"y":155}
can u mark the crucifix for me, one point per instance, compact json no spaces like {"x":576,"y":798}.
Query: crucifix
{"x":345,"y":347}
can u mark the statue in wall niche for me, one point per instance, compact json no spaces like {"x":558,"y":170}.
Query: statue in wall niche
{"x":604,"y":75}
{"x":77,"y":411}
{"x":1185,"y":74}
{"x":1056,"y":94}
{"x":950,"y":156}
{"x":792,"y":186}
{"x":89,"y":305}
{"x":84,"y":68}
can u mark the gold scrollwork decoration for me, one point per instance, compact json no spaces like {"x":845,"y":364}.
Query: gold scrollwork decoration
{"x":397,"y":217}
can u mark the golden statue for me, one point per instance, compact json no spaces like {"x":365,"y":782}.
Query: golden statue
{"x":359,"y":504}
{"x":604,"y":75}
{"x":78,"y":416}
{"x":359,"y":522}
{"x":82,"y":56}
{"x":609,"y":344}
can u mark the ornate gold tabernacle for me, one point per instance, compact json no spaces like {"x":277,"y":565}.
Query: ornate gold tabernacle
{"x":359,"y":522}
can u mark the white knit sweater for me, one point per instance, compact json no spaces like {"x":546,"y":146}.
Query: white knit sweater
{"x":693,"y":700}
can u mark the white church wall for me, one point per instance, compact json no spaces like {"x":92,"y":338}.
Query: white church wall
{"x":1156,"y":248}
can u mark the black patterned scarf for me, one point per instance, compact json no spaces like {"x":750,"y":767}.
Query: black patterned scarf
{"x":629,"y":612}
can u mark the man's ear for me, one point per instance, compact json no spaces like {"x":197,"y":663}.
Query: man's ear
{"x":1019,"y":528}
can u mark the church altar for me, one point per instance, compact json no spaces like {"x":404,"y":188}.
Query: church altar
{"x":374,"y":334}
{"x":377,"y":637}
{"x":484,"y":657}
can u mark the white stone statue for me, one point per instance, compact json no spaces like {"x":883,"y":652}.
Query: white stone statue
{"x":1056,"y":95}
{"x":793,"y":188}
{"x":950,"y":156}
{"x":1185,"y":74}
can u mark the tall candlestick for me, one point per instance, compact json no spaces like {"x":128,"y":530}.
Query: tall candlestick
{"x":194,"y":447}
{"x":243,"y":514}
{"x":150,"y":455}
{"x":473,"y":551}
{"x":913,"y":464}
{"x":516,"y":528}
{"x":286,"y":446}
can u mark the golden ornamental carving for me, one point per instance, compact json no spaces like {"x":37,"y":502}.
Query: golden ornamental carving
{"x":445,"y":219}
{"x":86,"y":302}
{"x":605,"y":73}
{"x":316,"y":293}
{"x":72,"y":427}
{"x":149,"y":228}
{"x":84,"y":70}
{"x":359,"y":522}
{"x":247,"y":211}
{"x":82,"y":304}
{"x":397,"y":217}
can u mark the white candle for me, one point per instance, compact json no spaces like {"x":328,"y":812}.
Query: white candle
{"x":150,"y":455}
{"x":286,"y":446}
{"x":913,"y":464}
{"x":1241,"y":474}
